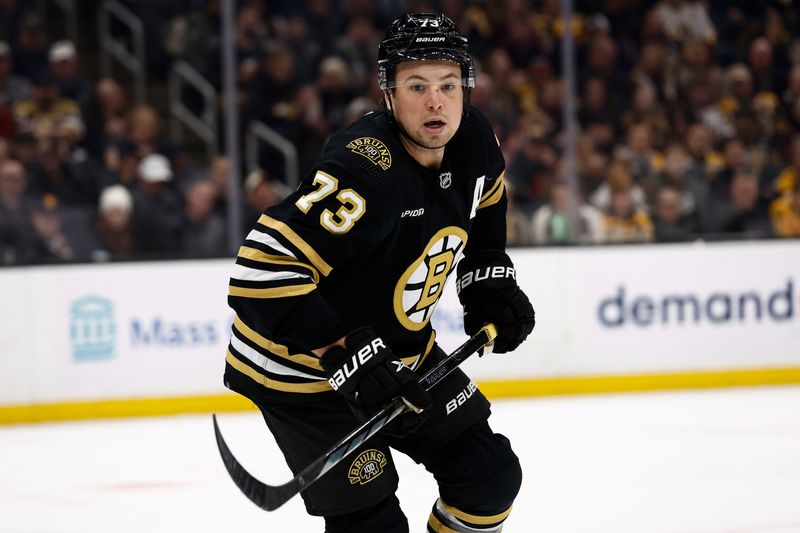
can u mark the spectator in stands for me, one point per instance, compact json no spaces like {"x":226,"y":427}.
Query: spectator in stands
{"x":738,"y":89}
{"x":706,"y":162}
{"x":595,"y":103}
{"x":603,"y":62}
{"x":305,"y":49}
{"x":531,"y":162}
{"x":784,"y":213}
{"x":17,"y":235}
{"x":52,"y":245}
{"x":275,"y":99}
{"x":618,"y":177}
{"x":105,"y":118}
{"x":646,"y":109}
{"x":46,"y":114}
{"x":261,"y":193}
{"x":7,"y":127}
{"x":761,"y":60}
{"x":144,"y":133}
{"x":12,"y":87}
{"x":335,"y":91}
{"x":11,"y":14}
{"x":114,"y":226}
{"x":652,"y":70}
{"x":273,"y":95}
{"x":702,"y":107}
{"x":158,"y":221}
{"x":64,"y":64}
{"x":357,"y":46}
{"x":358,"y":107}
{"x":790,"y":175}
{"x":205,"y":232}
{"x":792,"y":92}
{"x":670,"y":224}
{"x":219,"y":172}
{"x":734,"y":156}
{"x":325,"y":21}
{"x":30,"y":52}
{"x":553,"y":224}
{"x":685,"y":20}
{"x":692,"y":193}
{"x":638,"y":152}
{"x":62,"y":172}
{"x":507,"y":84}
{"x":518,"y":222}
{"x":742,"y":214}
{"x":623,"y":221}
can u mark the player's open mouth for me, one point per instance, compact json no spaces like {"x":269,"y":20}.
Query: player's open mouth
{"x":434,"y":125}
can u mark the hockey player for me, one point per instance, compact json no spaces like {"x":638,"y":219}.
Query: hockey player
{"x":334,"y":289}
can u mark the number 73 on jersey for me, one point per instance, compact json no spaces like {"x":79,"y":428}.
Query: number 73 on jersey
{"x":353,"y":206}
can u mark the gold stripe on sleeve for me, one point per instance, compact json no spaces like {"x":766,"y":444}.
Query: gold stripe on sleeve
{"x":298,"y":242}
{"x":261,"y":379}
{"x":272,"y":292}
{"x":273,"y":347}
{"x":495,"y":193}
{"x":262,"y":257}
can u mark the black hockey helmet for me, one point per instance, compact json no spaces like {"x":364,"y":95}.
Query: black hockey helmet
{"x":423,"y":37}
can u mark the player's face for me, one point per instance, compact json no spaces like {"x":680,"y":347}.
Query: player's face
{"x":428,"y":101}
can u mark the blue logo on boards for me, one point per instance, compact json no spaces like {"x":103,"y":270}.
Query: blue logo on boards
{"x":688,"y":308}
{"x":92,"y":329}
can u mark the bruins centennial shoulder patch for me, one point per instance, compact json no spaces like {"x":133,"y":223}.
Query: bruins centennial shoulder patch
{"x":373,"y":149}
{"x":367,"y":466}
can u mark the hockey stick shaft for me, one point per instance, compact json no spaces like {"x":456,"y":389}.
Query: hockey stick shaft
{"x":269,"y":497}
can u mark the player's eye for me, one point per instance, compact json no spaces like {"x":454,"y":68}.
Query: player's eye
{"x":448,"y":87}
{"x":417,"y":87}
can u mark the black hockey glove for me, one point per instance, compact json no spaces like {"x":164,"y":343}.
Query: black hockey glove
{"x":488,"y":290}
{"x":368,"y":375}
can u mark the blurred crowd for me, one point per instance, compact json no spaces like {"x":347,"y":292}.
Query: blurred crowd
{"x":688,"y":120}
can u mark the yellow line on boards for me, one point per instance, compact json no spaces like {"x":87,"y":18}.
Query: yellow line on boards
{"x":493,"y":389}
{"x":123,"y":408}
{"x":639,"y":383}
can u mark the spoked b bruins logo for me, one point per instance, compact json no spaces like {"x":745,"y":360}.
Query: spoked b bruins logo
{"x":366,"y":467}
{"x":421,"y":285}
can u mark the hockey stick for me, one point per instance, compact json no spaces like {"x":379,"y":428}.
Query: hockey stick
{"x":270,"y":497}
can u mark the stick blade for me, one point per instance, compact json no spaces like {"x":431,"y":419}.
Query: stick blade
{"x":267,"y":497}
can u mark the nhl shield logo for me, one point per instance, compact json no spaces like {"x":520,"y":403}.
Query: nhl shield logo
{"x":366,"y":467}
{"x":445,"y":179}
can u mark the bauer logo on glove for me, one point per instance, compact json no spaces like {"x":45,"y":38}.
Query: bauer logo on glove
{"x":487,"y":289}
{"x":359,"y":358}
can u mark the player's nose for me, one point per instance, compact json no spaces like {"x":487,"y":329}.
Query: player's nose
{"x":435,"y":97}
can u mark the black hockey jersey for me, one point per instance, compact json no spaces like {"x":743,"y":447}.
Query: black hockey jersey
{"x":368,"y":239}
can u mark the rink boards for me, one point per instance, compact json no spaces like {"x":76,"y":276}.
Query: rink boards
{"x":150,"y":338}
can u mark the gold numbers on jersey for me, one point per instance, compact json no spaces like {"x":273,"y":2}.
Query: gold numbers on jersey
{"x":353,"y":204}
{"x":326,"y":185}
{"x":352,"y":209}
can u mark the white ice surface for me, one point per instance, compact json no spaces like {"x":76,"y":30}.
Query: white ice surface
{"x":725,"y":461}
